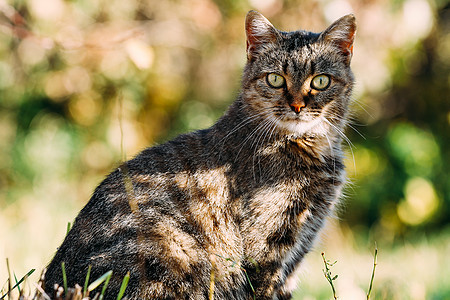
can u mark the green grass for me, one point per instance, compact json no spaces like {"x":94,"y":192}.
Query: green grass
{"x":330,"y":278}
{"x":16,"y":285}
{"x":327,"y":273}
{"x":66,"y":293}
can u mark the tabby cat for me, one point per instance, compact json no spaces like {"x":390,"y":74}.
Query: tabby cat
{"x":228,"y":212}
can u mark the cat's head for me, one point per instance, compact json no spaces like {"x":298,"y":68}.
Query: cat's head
{"x":300,"y":81}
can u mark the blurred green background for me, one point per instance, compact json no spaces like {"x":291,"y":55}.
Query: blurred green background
{"x":85,"y":84}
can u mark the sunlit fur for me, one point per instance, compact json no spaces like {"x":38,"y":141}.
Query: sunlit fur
{"x":238,"y":204}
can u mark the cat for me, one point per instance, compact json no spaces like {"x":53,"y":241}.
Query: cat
{"x":228,"y":212}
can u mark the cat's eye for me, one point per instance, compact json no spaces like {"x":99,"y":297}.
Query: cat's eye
{"x":320,"y":82}
{"x":275,"y":80}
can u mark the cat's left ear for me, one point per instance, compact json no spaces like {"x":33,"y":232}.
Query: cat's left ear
{"x":342,"y":34}
{"x":259,"y":31}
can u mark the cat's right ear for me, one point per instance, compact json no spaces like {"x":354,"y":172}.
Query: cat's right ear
{"x":341,"y":34}
{"x":259,"y":32}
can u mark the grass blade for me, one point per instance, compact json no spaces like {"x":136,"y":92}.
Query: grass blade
{"x":24,"y":277}
{"x":9,"y":279}
{"x":15,"y":278}
{"x":373,"y":271}
{"x":18,"y":282}
{"x":68,"y":228}
{"x":250,"y":283}
{"x":63,"y":268}
{"x":123,"y":286}
{"x":99,"y":281}
{"x":108,"y":277}
{"x":86,"y":281}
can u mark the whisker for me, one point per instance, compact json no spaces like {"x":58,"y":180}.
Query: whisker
{"x":254,"y":131}
{"x":332,"y":155}
{"x":263,"y":134}
{"x":274,"y":126}
{"x":357,"y":131}
{"x":345,"y":138}
{"x":357,"y":102}
{"x":342,"y":134}
{"x":243,"y":123}
{"x":349,"y":125}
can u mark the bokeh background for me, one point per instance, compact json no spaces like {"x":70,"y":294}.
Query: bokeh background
{"x":85,"y":84}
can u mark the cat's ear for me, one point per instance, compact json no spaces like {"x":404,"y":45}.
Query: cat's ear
{"x":259,"y":32}
{"x":342,"y":34}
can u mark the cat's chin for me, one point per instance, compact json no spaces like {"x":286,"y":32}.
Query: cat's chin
{"x":298,"y":129}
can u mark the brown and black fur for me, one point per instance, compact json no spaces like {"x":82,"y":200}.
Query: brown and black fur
{"x":247,"y":195}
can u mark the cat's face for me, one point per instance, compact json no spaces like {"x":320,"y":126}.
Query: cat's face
{"x":300,"y":81}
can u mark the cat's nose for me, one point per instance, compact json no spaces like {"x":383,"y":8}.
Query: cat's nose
{"x":297,"y":105}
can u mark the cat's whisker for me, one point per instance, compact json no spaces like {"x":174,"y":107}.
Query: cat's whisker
{"x":354,"y":119}
{"x":254,"y":131}
{"x":342,"y":134}
{"x":262,"y":139}
{"x":332,"y":154}
{"x":339,"y":131}
{"x":356,"y":130}
{"x":349,"y":124}
{"x":261,"y":128}
{"x":259,"y":132}
{"x":329,"y":144}
{"x":361,"y":105}
{"x":269,"y":128}
{"x":274,"y":126}
{"x":243,"y":123}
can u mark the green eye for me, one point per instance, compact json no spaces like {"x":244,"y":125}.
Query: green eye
{"x":320,"y":82}
{"x":275,"y":80}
